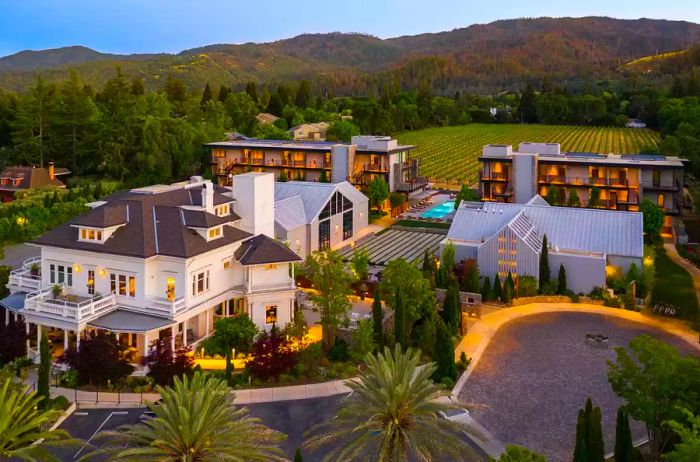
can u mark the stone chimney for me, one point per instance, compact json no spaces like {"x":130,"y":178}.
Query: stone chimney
{"x":208,"y":196}
{"x":52,"y":171}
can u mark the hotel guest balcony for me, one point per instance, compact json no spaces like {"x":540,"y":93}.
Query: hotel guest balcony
{"x":68,"y":307}
{"x":587,"y":181}
{"x":23,"y":280}
{"x":494,"y":176}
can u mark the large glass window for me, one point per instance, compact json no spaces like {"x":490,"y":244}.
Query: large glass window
{"x":335,"y":205}
{"x":324,"y":234}
{"x":123,"y":285}
{"x":61,"y":274}
{"x":347,"y":225}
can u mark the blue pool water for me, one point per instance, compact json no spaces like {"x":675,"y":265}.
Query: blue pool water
{"x":439,"y":211}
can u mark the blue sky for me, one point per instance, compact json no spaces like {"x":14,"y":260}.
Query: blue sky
{"x":133,"y":26}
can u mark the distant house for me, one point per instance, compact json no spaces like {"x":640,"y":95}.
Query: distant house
{"x":266,"y":118}
{"x":13,"y":179}
{"x":635,"y":123}
{"x":309,"y":132}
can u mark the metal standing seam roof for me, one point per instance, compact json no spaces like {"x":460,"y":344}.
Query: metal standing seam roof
{"x":313,"y":196}
{"x":574,"y":229}
{"x":129,"y":321}
{"x":289,"y":213}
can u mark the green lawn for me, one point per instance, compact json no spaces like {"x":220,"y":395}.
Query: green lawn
{"x":673,"y":285}
{"x":450,"y":154}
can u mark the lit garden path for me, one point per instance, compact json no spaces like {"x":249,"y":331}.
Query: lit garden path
{"x":536,"y":372}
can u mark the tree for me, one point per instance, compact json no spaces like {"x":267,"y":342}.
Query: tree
{"x":486,"y":290}
{"x":224,"y":91}
{"x":520,"y":454}
{"x":378,"y":318}
{"x":652,"y":217}
{"x":471,"y":278}
{"x":32,"y":121}
{"x":275,"y":106}
{"x":561,"y":280}
{"x":444,"y":353}
{"x":655,"y":381}
{"x":392,"y":415}
{"x":44,"y":372}
{"x":688,"y":448}
{"x":206,"y":95}
{"x":252,"y":91}
{"x":594,"y":198}
{"x":231,"y":333}
{"x":497,"y":289}
{"x":332,"y":281}
{"x":303,"y":94}
{"x":400,"y":336}
{"x":589,"y":435}
{"x":452,"y":308}
{"x":298,"y":328}
{"x":544,"y":264}
{"x":624,"y":449}
{"x":297,"y":456}
{"x":506,"y":292}
{"x":194,"y":420}
{"x":13,"y":338}
{"x":465,"y":194}
{"x":24,"y":433}
{"x":164,"y":364}
{"x":98,"y":360}
{"x":360,"y":263}
{"x":272,"y":356}
{"x":341,"y":130}
{"x":553,"y":196}
{"x":362,"y":340}
{"x":378,"y":191}
{"x":574,"y":200}
{"x":527,"y":108}
{"x":430,"y":267}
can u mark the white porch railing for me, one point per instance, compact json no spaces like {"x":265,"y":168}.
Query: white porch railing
{"x":256,"y":287}
{"x":164,"y":306}
{"x":22,"y":279}
{"x":44,"y":302}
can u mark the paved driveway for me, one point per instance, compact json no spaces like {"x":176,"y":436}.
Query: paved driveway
{"x":16,"y":254}
{"x":537,"y":373}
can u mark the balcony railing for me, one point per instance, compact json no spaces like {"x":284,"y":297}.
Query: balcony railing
{"x":489,"y":176}
{"x":412,"y":185}
{"x":289,"y":284}
{"x":162,"y":305}
{"x":662,"y":185}
{"x":69,"y":307}
{"x":584,"y":181}
{"x":375,"y":168}
{"x":22,"y":279}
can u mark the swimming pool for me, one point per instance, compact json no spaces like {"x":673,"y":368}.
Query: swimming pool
{"x":439,"y":211}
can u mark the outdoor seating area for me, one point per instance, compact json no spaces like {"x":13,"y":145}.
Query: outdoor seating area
{"x":422,"y":208}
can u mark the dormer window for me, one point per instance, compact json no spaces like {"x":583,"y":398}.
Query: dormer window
{"x":223,"y":210}
{"x":91,"y":235}
{"x":214,"y":233}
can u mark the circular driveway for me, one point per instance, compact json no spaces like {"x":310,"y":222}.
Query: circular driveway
{"x":537,"y":372}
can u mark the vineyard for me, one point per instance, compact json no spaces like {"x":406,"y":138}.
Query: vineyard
{"x":451,"y":154}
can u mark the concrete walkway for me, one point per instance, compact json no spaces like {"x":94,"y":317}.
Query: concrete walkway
{"x":477,"y":339}
{"x":689,"y":267}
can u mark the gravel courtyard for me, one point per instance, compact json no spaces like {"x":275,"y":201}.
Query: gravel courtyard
{"x":538,"y":371}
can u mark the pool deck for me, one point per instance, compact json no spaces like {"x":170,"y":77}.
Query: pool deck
{"x":416,"y":211}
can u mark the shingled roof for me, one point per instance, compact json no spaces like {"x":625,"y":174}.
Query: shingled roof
{"x":30,"y":177}
{"x":154,"y":225}
{"x":262,"y":249}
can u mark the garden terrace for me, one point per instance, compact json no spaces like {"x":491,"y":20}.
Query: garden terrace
{"x":399,"y":242}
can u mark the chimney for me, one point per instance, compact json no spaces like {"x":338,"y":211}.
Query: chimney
{"x":208,"y":196}
{"x":52,"y":172}
{"x":254,"y":193}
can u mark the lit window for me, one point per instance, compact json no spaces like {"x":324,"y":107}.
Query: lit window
{"x":270,"y":314}
{"x":91,"y":282}
{"x":90,"y":234}
{"x":660,"y":200}
{"x":122,"y":284}
{"x":227,"y":264}
{"x":271,"y":266}
{"x":214,"y":233}
{"x":132,"y":286}
{"x":60,"y":274}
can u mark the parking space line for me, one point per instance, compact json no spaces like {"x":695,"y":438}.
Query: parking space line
{"x":80,"y":413}
{"x":98,"y":430}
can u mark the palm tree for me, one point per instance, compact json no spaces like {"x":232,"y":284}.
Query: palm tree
{"x":194,"y":421}
{"x":392,"y":415}
{"x":22,"y":423}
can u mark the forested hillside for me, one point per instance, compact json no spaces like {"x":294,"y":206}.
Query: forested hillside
{"x":499,"y":55}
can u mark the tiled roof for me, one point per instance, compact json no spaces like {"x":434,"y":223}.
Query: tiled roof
{"x":262,"y":249}
{"x":567,"y":228}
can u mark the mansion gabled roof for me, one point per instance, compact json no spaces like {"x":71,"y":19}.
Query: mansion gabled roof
{"x":311,"y":197}
{"x":154,"y":224}
{"x":262,"y":249}
{"x":567,"y":228}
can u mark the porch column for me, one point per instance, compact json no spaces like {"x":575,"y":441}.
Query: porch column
{"x":206,"y":323}
{"x":26,"y":329}
{"x":65,"y":340}
{"x":38,"y":337}
{"x":77,"y":339}
{"x":145,"y":344}
{"x":172,"y":338}
{"x":184,"y":333}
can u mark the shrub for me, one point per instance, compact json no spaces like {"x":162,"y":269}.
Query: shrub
{"x":98,"y":360}
{"x":339,"y":352}
{"x":597,"y":293}
{"x":447,"y":382}
{"x":464,"y":362}
{"x":612,"y":302}
{"x":59,"y":403}
{"x":164,"y":364}
{"x":272,"y":356}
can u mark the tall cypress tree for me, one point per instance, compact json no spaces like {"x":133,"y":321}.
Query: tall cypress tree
{"x":206,"y":95}
{"x":44,"y":370}
{"x":497,"y":289}
{"x":580,"y":450}
{"x":544,"y":263}
{"x":596,"y":446}
{"x":399,"y":319}
{"x":451,"y":308}
{"x":377,"y":319}
{"x":444,"y":353}
{"x":561,"y":282}
{"x":624,"y":449}
{"x":486,"y":290}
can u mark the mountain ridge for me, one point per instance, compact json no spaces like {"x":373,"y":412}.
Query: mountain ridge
{"x":497,"y":53}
